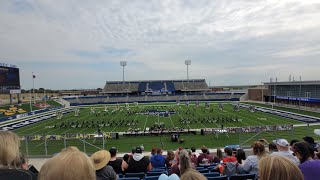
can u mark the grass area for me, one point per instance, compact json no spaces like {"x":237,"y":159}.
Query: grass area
{"x":125,"y":144}
{"x":309,"y":113}
{"x":197,"y":117}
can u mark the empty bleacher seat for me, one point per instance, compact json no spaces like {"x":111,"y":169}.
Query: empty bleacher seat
{"x":155,"y":173}
{"x":242,"y":176}
{"x":129,"y":178}
{"x":218,"y":178}
{"x":151,"y":177}
{"x":211,"y":174}
{"x":139,"y":175}
{"x":204,"y":170}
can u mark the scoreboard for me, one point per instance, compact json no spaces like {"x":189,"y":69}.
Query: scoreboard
{"x":9,"y":77}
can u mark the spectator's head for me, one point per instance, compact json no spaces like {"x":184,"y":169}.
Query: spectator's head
{"x":113,"y":151}
{"x":193,"y":149}
{"x":9,"y":148}
{"x":308,"y":139}
{"x":219,"y":153}
{"x":282,"y":144}
{"x":204,"y":149}
{"x":192,"y":175}
{"x":159,"y":151}
{"x":100,"y":159}
{"x":240,"y":155}
{"x":22,"y":162}
{"x":170,"y":155}
{"x":234,"y":151}
{"x":69,"y":164}
{"x":258,"y":149}
{"x":126,"y":158}
{"x":153,"y":150}
{"x":273,"y":147}
{"x":293,"y":141}
{"x":189,"y":152}
{"x":184,"y":161}
{"x":138,"y":150}
{"x":303,"y":151}
{"x":133,"y":150}
{"x":277,"y":167}
{"x":228,"y":151}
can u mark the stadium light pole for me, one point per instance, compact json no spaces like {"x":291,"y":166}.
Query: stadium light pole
{"x":123,"y":64}
{"x":187,"y":62}
{"x":300,"y":94}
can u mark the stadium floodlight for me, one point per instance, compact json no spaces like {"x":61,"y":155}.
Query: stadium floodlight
{"x":187,"y":62}
{"x":123,"y":64}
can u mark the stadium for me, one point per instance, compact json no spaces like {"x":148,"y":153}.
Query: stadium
{"x":126,"y":114}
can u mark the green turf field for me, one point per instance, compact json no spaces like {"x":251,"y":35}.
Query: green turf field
{"x":133,"y":119}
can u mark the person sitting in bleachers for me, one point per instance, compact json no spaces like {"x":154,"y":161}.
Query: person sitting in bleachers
{"x":284,"y":150}
{"x":118,"y":165}
{"x":139,"y":163}
{"x":204,"y":157}
{"x":182,"y":165}
{"x":169,"y":158}
{"x":69,"y":164}
{"x":158,"y":160}
{"x":229,"y":164}
{"x":218,"y":158}
{"x":100,"y":160}
{"x":277,"y":167}
{"x":10,"y":168}
{"x":309,"y":167}
{"x":250,"y":165}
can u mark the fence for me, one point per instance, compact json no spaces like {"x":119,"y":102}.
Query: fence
{"x":124,"y":144}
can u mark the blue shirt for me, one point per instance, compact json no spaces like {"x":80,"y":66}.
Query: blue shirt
{"x":158,"y":161}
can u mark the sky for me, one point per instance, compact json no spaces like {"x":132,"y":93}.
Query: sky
{"x":78,"y":44}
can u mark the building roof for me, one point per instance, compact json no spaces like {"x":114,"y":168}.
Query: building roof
{"x":288,"y":83}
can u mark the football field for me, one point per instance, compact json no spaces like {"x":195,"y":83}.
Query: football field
{"x":147,"y":117}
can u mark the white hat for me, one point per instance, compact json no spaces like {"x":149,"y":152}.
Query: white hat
{"x":281,"y":142}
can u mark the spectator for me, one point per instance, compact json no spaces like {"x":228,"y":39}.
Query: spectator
{"x":283,"y":150}
{"x":292,"y":142}
{"x":69,"y":164}
{"x":192,"y":175}
{"x":219,"y":157}
{"x":22,"y":163}
{"x":277,"y":167}
{"x":183,"y":164}
{"x":230,"y":163}
{"x":272,"y":147}
{"x":126,"y":158}
{"x":250,"y":165}
{"x":9,"y":149}
{"x":169,"y":158}
{"x":153,"y":152}
{"x":100,"y":161}
{"x":10,"y":158}
{"x":139,"y":163}
{"x":194,"y":160}
{"x":204,"y":158}
{"x":194,"y":153}
{"x":118,"y":165}
{"x":311,"y":142}
{"x":240,"y":155}
{"x":309,"y":167}
{"x":158,"y":159}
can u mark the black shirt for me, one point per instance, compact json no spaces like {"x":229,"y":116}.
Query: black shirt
{"x":138,"y":166}
{"x":116,"y":165}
